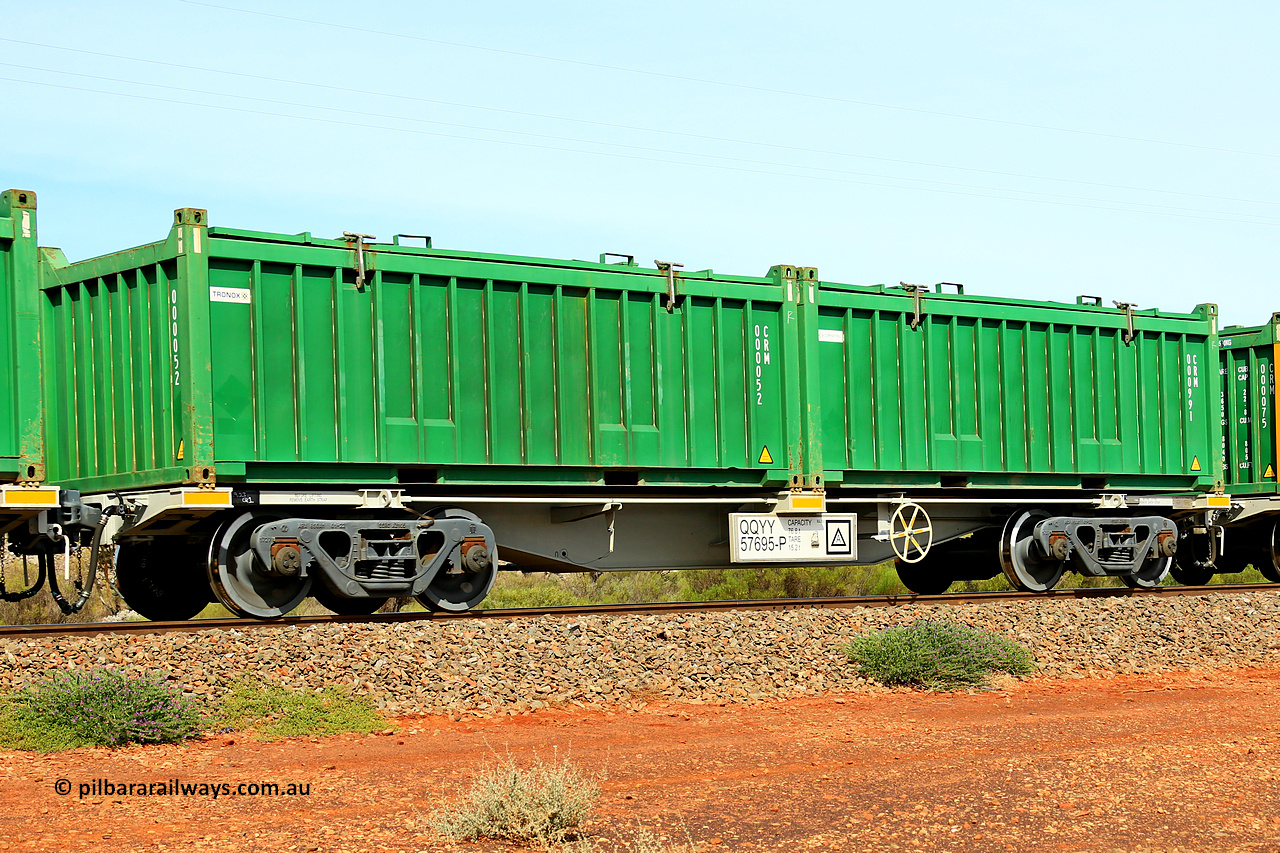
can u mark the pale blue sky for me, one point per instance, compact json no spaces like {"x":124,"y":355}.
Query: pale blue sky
{"x":1124,"y":149}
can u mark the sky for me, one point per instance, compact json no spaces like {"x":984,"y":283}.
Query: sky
{"x":1035,"y":150}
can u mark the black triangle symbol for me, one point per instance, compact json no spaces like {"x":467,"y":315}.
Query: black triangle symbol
{"x":837,"y":540}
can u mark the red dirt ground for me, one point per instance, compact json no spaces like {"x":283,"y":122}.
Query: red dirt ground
{"x":1170,"y":763}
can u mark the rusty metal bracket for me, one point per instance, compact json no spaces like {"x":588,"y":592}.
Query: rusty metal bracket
{"x":917,"y":310}
{"x":1127,"y":308}
{"x":670,"y":269}
{"x":358,"y":240}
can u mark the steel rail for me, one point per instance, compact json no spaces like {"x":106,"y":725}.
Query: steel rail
{"x":97,"y":628}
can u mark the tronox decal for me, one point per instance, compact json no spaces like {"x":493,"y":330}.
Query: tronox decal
{"x":237,"y":295}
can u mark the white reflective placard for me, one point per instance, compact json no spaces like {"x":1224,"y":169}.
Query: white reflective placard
{"x":761,"y":537}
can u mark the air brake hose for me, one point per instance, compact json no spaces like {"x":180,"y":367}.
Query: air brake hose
{"x":87,"y":589}
{"x":9,"y":595}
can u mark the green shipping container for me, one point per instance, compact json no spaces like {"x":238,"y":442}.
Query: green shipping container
{"x":241,"y":356}
{"x":236,"y":356}
{"x":952,"y":390}
{"x":1249,"y":401}
{"x":21,"y":426}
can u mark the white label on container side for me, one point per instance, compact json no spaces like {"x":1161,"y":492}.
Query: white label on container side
{"x":766,"y":538}
{"x":239,"y":295}
{"x":831,"y":336}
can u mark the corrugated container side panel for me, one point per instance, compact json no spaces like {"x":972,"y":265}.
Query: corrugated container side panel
{"x":766,"y":402}
{"x":538,"y":367}
{"x":1013,"y":405}
{"x":439,"y":370}
{"x":732,"y":367}
{"x":8,"y":385}
{"x":318,"y":366}
{"x":700,"y":377}
{"x":439,"y":436}
{"x":1036,"y":379}
{"x":232,"y":368}
{"x":1001,"y":395}
{"x":397,"y":368}
{"x":1247,"y":412}
{"x":604,"y":348}
{"x":573,"y":385}
{"x":1128,"y":423}
{"x":109,"y":370}
{"x":641,"y":375}
{"x":360,"y":438}
{"x":22,"y":404}
{"x":991,"y":420}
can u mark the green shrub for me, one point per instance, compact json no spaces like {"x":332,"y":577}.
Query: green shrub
{"x":98,"y":708}
{"x":541,"y":804}
{"x":937,"y":655}
{"x":274,"y":712}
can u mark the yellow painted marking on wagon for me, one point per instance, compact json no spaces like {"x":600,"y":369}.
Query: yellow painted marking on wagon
{"x":765,"y":458}
{"x":206,"y":498}
{"x":803,"y":502}
{"x":37,"y":497}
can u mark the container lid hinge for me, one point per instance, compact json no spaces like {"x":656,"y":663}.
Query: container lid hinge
{"x":670,"y":269}
{"x":1127,"y":308}
{"x":917,"y":301}
{"x":358,"y":240}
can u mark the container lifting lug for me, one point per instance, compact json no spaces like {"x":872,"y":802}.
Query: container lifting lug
{"x":358,"y":239}
{"x":1127,"y":308}
{"x":669,"y":269}
{"x":917,"y":301}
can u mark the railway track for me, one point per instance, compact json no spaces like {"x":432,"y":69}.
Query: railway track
{"x":69,"y":629}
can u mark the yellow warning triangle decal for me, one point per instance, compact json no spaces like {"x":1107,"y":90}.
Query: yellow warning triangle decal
{"x":1271,"y":472}
{"x":179,"y":448}
{"x":1195,"y":463}
{"x":765,"y":458}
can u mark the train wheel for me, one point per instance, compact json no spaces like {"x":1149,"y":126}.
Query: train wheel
{"x":1150,"y":575}
{"x":345,"y":606}
{"x":1197,"y":560}
{"x":1269,"y":564}
{"x":925,"y":577}
{"x":240,"y":580}
{"x":163,"y":580}
{"x":1020,"y":557}
{"x":467,"y":575}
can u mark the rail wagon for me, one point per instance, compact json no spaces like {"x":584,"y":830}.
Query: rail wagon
{"x":262,"y":417}
{"x":1248,"y":533}
{"x":26,"y":497}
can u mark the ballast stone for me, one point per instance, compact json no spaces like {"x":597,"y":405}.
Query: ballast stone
{"x":497,"y":667}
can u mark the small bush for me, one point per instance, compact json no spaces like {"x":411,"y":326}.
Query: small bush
{"x":273,"y":712}
{"x":541,"y":804}
{"x":643,"y":841}
{"x":937,"y":655}
{"x":98,"y":708}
